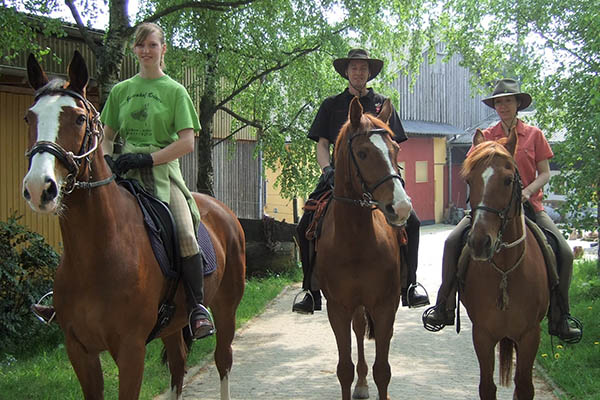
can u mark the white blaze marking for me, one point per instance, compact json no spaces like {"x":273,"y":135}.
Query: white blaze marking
{"x":486,"y":175}
{"x":399,"y":193}
{"x":48,"y":110}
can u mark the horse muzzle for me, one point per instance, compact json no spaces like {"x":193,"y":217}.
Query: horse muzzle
{"x":42,"y":192}
{"x":483,"y":246}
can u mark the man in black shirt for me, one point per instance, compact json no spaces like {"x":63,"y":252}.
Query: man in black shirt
{"x":358,"y":69}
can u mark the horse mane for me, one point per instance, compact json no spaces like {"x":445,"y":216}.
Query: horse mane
{"x":483,"y":153}
{"x":340,"y":150}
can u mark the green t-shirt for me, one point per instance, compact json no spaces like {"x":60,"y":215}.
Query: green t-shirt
{"x":149,"y":112}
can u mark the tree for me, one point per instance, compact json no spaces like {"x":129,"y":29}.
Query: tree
{"x":267,"y":63}
{"x":553,"y":48}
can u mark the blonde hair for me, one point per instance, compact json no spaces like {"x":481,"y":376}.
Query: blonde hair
{"x":145,"y":29}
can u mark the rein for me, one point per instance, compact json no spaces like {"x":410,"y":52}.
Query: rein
{"x":72,"y":162}
{"x":500,"y":244}
{"x":366,"y":200}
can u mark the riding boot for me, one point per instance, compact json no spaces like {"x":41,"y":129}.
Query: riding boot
{"x":44,"y":313}
{"x":410,"y":296}
{"x":560,"y":322}
{"x":310,"y":303}
{"x":200,"y":323}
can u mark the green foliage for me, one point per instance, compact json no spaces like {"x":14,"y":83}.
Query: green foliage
{"x":27,"y":269}
{"x":552,"y":47}
{"x":574,"y":367}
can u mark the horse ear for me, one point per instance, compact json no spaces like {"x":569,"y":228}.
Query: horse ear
{"x":386,"y":111}
{"x":478,"y":137}
{"x":35,"y":74}
{"x":78,"y":73}
{"x":355,"y":113}
{"x":512,"y":140}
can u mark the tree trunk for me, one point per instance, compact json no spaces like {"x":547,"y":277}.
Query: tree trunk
{"x":208,"y":102}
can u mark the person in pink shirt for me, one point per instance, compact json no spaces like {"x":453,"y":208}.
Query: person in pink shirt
{"x":532,"y":158}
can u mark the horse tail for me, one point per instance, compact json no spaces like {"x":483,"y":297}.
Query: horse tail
{"x":370,"y":328}
{"x":506,"y":361}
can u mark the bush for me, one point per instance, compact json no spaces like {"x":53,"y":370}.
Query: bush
{"x":27,"y":267}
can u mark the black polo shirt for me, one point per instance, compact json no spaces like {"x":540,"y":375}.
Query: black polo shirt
{"x":333,"y":113}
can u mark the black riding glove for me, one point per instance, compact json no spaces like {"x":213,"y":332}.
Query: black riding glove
{"x":328,"y":173}
{"x":128,"y":161}
{"x":110,"y":162}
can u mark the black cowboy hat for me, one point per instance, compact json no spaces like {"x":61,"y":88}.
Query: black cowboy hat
{"x":509,"y":87}
{"x":341,"y":64}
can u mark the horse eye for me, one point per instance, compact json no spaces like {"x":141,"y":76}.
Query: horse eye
{"x":362,"y":155}
{"x":508,"y":181}
{"x":80,"y":120}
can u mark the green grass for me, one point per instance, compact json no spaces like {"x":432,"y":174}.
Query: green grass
{"x":575,"y":368}
{"x":44,"y":372}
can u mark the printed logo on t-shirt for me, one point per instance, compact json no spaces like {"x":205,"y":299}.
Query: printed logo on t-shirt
{"x":140,"y":115}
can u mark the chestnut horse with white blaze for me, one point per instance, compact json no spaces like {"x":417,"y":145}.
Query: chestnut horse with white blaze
{"x":358,"y":259}
{"x":506,"y":285}
{"x":108,"y":286}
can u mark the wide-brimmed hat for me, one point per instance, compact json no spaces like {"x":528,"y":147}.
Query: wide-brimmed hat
{"x":509,"y":87}
{"x":341,"y":64}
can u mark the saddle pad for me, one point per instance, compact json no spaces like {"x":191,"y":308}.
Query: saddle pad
{"x":208,"y":249}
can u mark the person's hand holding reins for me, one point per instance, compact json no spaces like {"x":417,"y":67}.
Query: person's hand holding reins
{"x":128,"y":161}
{"x":328,"y":173}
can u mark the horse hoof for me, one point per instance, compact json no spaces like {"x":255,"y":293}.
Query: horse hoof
{"x":360,"y":392}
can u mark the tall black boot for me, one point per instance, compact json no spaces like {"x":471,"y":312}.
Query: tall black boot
{"x":200,"y":323}
{"x":411,"y":297}
{"x":560,"y":323}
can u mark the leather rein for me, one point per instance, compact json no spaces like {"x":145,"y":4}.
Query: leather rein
{"x":94,"y":133}
{"x":366,"y":199}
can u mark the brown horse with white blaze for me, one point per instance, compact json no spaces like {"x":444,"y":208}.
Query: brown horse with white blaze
{"x":358,"y":260}
{"x":108,"y":286}
{"x":506,"y":286}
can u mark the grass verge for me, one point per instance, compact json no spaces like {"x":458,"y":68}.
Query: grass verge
{"x":45,"y":373}
{"x":575,"y":368}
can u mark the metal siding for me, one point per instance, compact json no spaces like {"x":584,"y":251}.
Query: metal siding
{"x":13,"y":166}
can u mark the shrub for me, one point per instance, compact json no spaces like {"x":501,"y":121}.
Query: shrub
{"x":27,"y":267}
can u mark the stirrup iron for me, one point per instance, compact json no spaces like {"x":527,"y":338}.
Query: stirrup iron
{"x":39,"y":302}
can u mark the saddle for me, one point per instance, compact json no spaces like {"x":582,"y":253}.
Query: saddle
{"x":162,"y":234}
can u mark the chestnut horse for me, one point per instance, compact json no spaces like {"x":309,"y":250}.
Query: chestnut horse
{"x":108,"y":286}
{"x":506,"y":286}
{"x":358,"y":261}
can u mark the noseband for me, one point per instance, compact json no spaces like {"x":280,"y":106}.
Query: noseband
{"x":503,"y":214}
{"x":367,"y":196}
{"x":94,"y":134}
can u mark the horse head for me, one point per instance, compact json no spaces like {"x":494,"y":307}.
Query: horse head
{"x":366,"y":164}
{"x":64,"y":131}
{"x":495,"y":192}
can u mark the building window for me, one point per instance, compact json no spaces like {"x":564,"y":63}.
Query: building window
{"x":421,"y":172}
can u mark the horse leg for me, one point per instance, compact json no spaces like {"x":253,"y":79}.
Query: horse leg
{"x":340,"y":320}
{"x":484,"y":348}
{"x":383,"y":325}
{"x":361,"y":390}
{"x":87,"y":368}
{"x":526,"y":351}
{"x":224,"y":317}
{"x":176,"y":358}
{"x":130,"y":361}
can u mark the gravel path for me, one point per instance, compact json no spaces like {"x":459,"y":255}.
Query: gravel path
{"x":285,"y":355}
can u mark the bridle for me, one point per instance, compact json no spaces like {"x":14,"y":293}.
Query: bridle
{"x":515,"y":199}
{"x":94,"y":134}
{"x":366,"y":199}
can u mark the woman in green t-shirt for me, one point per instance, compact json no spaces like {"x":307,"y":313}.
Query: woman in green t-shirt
{"x":156,"y":118}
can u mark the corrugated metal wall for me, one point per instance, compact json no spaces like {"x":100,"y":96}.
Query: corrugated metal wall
{"x":13,"y":167}
{"x":441,"y":93}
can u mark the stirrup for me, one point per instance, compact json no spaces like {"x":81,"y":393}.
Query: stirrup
{"x":39,"y":302}
{"x":312,"y":298}
{"x":414,"y":286}
{"x":208,"y":315}
{"x":577,"y":324}
{"x":429,"y":326}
